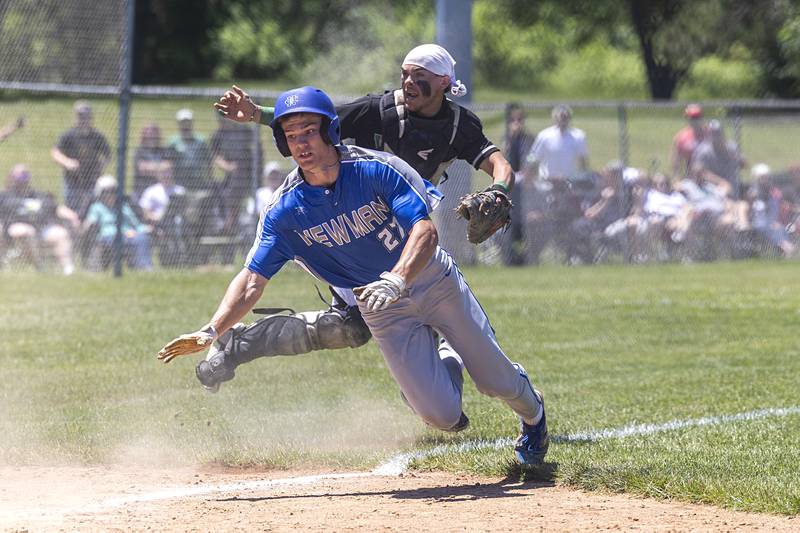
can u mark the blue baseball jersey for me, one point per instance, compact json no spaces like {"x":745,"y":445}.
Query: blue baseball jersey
{"x":349,"y":233}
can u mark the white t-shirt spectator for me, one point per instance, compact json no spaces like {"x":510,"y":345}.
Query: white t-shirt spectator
{"x":665,"y":205}
{"x":155,"y":199}
{"x":707,"y":197}
{"x":557,"y":153}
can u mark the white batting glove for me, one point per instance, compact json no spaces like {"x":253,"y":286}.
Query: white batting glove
{"x":381,"y":294}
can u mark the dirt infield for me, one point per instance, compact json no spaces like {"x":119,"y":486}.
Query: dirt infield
{"x":213,"y":499}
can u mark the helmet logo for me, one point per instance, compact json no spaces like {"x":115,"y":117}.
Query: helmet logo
{"x":291,"y":100}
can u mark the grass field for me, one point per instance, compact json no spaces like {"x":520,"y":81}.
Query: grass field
{"x":610,"y":346}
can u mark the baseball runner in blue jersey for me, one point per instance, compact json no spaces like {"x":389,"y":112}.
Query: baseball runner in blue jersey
{"x":360,"y":220}
{"x":419,"y":123}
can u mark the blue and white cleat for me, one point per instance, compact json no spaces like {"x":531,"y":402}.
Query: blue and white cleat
{"x":532,"y":444}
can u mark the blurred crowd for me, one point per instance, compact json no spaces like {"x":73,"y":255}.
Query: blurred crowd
{"x":710,"y":204}
{"x":194,"y":200}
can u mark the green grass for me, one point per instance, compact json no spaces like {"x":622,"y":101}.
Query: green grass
{"x":609,"y":346}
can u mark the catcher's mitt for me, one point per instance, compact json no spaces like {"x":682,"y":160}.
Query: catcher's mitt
{"x":486,"y":212}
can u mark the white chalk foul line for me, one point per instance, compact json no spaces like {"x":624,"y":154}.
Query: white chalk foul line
{"x":400,"y":463}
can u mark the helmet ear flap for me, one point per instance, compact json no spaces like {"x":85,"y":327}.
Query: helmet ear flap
{"x":280,"y":140}
{"x":330,"y":130}
{"x":334,"y":131}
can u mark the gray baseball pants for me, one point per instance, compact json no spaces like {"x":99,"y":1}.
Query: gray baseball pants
{"x":430,"y":379}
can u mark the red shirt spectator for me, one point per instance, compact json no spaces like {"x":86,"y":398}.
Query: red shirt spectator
{"x":687,"y":139}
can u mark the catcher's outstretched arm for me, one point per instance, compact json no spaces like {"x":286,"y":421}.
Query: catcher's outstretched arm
{"x":242,"y":294}
{"x":500,"y":170}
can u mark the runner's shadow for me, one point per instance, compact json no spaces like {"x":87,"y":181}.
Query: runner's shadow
{"x":544,"y":473}
{"x":466,"y":492}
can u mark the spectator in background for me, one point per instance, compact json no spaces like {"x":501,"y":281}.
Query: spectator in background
{"x":100,"y":226}
{"x":32,"y":220}
{"x":707,"y":229}
{"x":237,"y":152}
{"x":271,"y":179}
{"x":148,"y":159}
{"x":83,"y":152}
{"x":686,"y":140}
{"x":164,"y":208}
{"x":156,"y":198}
{"x":765,"y":206}
{"x":560,"y":151}
{"x":7,"y":130}
{"x":603,"y":222}
{"x":656,"y":209}
{"x":720,"y":157}
{"x":193,"y":171}
{"x":517,"y":144}
{"x":193,"y":156}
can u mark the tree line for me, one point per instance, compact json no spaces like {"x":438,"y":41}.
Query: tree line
{"x":621,"y":48}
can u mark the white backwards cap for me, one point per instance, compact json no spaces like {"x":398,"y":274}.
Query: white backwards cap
{"x":436,"y":59}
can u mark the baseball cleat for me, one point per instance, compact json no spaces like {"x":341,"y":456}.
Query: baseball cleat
{"x":531,"y":446}
{"x":461,"y":425}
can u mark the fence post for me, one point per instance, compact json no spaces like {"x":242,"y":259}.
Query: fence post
{"x":622,"y":123}
{"x":736,"y":111}
{"x":122,"y":132}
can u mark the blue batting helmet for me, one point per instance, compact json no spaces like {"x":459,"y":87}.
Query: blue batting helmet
{"x":305,"y":100}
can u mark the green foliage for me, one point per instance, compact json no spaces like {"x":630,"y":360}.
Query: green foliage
{"x":249,"y":46}
{"x":714,"y":77}
{"x":38,"y":42}
{"x":789,"y":39}
{"x":366,"y":56}
{"x":269,"y":38}
{"x":520,"y":55}
{"x":599,"y":70}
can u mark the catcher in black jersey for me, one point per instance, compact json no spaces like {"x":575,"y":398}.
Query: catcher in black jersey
{"x":419,"y":124}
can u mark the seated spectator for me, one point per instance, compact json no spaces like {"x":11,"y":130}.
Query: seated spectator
{"x":709,"y":225}
{"x":163,"y":206}
{"x":156,"y":198}
{"x":654,"y":218}
{"x":32,"y":221}
{"x":271,"y":179}
{"x":100,"y":227}
{"x":602,"y":223}
{"x":765,"y":205}
{"x":148,"y":159}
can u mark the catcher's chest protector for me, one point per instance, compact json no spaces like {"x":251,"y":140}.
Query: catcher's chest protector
{"x":422,"y":143}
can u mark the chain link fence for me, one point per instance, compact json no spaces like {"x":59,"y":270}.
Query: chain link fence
{"x":155,"y":174}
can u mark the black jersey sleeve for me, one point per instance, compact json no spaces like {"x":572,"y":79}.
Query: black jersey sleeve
{"x":470,"y":143}
{"x":360,"y":120}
